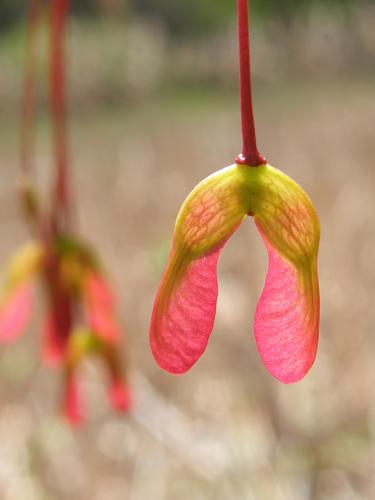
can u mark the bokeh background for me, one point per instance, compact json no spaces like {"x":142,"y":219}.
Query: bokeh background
{"x":153,"y":103}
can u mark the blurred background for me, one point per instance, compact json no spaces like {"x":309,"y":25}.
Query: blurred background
{"x":153,"y":108}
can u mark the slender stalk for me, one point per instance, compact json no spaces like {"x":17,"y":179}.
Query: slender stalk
{"x":61,"y":190}
{"x":250,"y":154}
{"x":29,"y":91}
{"x":29,"y":199}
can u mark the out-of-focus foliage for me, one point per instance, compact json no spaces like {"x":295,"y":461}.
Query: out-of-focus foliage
{"x":289,"y":8}
{"x":195,"y":17}
{"x":181,"y":17}
{"x":10,"y":11}
{"x":188,"y":17}
{"x":13,"y":10}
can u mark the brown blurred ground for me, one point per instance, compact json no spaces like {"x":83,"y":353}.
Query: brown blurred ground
{"x":226,"y":430}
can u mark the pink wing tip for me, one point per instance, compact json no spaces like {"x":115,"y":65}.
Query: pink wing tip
{"x":171,"y":363}
{"x":72,"y":404}
{"x":119,"y":396}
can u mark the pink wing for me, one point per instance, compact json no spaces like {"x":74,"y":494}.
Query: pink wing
{"x":184,"y":311}
{"x":287,"y":317}
{"x":103,"y":323}
{"x":15,"y":313}
{"x":100,"y":308}
{"x":98,"y":290}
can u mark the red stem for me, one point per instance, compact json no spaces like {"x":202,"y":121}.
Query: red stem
{"x":59,"y":12}
{"x":29,"y":90}
{"x":250,"y":154}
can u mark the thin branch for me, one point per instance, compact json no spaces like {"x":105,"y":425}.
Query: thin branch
{"x":61,"y":191}
{"x":29,"y":91}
